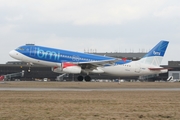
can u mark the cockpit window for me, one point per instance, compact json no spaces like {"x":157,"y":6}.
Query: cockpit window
{"x":20,"y":48}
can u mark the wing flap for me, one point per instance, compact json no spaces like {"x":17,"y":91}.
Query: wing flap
{"x":91,"y":65}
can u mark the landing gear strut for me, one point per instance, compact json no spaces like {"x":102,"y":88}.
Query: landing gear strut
{"x":29,"y":64}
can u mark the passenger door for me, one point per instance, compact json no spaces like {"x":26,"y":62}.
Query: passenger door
{"x":137,"y":67}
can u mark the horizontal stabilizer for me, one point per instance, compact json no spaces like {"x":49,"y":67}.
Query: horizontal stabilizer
{"x":160,"y":68}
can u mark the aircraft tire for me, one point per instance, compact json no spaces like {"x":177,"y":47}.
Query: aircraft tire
{"x":87,"y":78}
{"x":80,"y":78}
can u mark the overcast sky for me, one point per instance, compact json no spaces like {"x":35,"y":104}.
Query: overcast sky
{"x":104,"y":25}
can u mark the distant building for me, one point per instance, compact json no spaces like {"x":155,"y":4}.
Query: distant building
{"x":174,"y":69}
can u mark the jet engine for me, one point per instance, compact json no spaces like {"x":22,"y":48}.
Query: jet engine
{"x":67,"y":68}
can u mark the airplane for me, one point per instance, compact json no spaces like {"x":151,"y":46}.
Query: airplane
{"x":64,"y":61}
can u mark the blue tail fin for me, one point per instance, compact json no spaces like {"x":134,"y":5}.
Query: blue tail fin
{"x":156,"y":54}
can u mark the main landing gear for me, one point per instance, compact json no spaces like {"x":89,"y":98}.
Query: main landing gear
{"x":87,"y":78}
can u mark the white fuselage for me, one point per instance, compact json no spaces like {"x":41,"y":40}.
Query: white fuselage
{"x":131,"y":69}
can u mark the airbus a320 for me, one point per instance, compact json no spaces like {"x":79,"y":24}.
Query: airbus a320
{"x":64,"y":61}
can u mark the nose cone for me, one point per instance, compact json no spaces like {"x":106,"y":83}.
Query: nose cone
{"x":13,"y":54}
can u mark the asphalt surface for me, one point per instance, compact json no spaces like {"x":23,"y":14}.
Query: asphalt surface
{"x":89,"y":89}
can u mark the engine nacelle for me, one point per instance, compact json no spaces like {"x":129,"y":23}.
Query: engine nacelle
{"x":57,"y":69}
{"x":69,"y":69}
{"x":72,"y":69}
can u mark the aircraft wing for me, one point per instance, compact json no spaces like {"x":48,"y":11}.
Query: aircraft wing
{"x":95,"y":64}
{"x":102,"y":62}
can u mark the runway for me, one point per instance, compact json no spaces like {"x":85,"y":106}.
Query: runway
{"x":85,"y":86}
{"x":89,"y":89}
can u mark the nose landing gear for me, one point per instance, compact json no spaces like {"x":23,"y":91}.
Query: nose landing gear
{"x":29,"y":64}
{"x":29,"y":70}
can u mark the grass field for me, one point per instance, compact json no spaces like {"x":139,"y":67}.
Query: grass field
{"x":92,"y":105}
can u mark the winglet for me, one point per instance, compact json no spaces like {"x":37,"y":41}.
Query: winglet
{"x":124,"y":59}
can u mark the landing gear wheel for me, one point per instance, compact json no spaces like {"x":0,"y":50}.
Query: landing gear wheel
{"x":29,"y":64}
{"x":80,"y":78}
{"x":29,"y":70}
{"x":87,"y":78}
